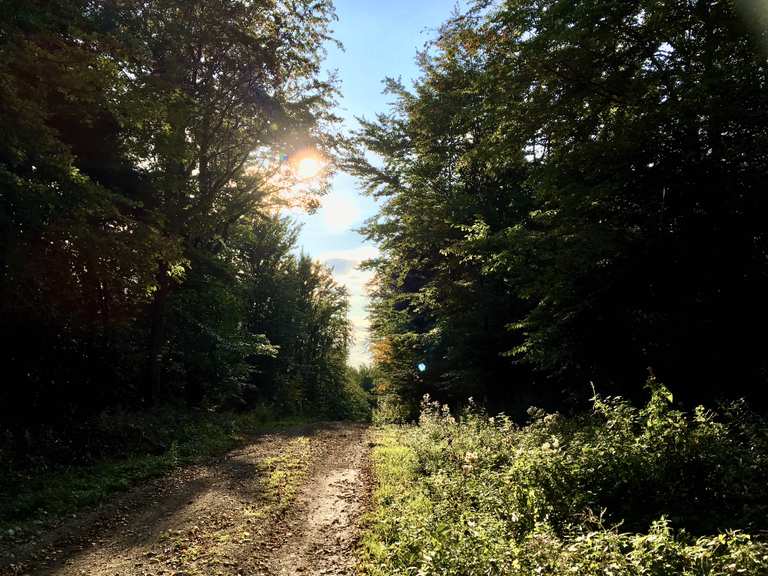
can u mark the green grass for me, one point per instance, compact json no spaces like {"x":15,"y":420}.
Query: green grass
{"x":395,"y":468}
{"x":286,"y":472}
{"x":621,"y":491}
{"x":158,"y":443}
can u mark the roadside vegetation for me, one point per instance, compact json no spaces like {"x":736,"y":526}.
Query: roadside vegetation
{"x":114,"y":452}
{"x":570,"y":197}
{"x":618,"y":491}
{"x":157,"y":305}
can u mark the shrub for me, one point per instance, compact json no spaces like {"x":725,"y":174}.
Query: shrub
{"x":620,"y":490}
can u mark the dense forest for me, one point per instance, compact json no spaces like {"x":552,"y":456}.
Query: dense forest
{"x":566,"y":309}
{"x":569,"y":198}
{"x":573,"y":195}
{"x":147,"y":151}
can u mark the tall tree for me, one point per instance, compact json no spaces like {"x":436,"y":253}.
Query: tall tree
{"x":219,"y":91}
{"x":146,"y":145}
{"x":74,"y":263}
{"x":585,"y":175}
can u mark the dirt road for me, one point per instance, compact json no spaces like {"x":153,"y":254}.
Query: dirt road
{"x":287,"y":503}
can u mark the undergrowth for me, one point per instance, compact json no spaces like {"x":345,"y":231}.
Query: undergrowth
{"x":619,"y":491}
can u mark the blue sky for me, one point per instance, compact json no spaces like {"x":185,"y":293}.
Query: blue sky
{"x":380,"y":38}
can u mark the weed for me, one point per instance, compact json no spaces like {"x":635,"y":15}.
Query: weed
{"x":619,"y":491}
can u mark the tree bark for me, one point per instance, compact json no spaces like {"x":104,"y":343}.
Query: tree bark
{"x":193,"y":389}
{"x":158,"y":312}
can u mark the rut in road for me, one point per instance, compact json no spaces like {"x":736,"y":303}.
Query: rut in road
{"x":290,"y":502}
{"x":323,"y":528}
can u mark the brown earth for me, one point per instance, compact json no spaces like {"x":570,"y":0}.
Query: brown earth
{"x":289,"y":502}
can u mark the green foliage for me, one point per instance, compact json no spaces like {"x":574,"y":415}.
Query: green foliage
{"x":618,"y":491}
{"x":140,"y":258}
{"x":355,"y":401}
{"x":303,"y":311}
{"x":389,"y":410}
{"x":572,"y":191}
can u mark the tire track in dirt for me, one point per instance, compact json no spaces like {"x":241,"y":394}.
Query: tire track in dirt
{"x":290,"y":502}
{"x":323,"y":533}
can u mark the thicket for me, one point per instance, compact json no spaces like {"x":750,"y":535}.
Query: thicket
{"x":574,"y":192}
{"x":147,"y":148}
{"x":620,"y":490}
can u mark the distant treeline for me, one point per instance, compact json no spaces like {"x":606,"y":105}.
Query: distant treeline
{"x":142,"y":165}
{"x":575,"y":193}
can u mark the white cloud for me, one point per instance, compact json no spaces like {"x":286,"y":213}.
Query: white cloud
{"x":346,"y":271}
{"x":340,"y":211}
{"x":358,"y":253}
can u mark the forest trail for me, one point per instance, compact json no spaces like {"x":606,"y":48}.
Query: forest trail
{"x":287,"y":503}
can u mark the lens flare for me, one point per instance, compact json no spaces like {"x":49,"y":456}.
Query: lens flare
{"x":309,"y":166}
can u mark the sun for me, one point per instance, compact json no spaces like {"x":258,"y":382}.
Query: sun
{"x":309,"y":166}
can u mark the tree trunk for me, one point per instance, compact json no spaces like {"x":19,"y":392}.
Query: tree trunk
{"x":193,"y":388}
{"x":158,"y":312}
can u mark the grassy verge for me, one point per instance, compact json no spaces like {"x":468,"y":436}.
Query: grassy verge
{"x":397,"y":498}
{"x":144,"y":446}
{"x":620,"y":492}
